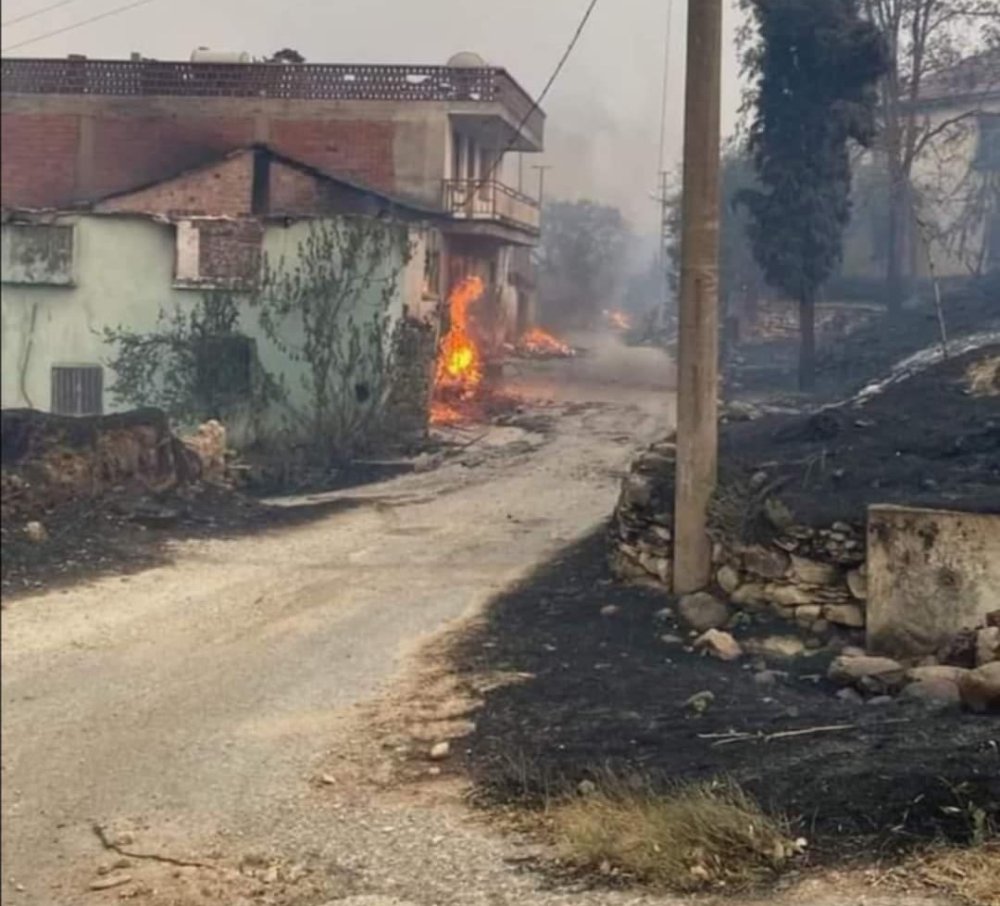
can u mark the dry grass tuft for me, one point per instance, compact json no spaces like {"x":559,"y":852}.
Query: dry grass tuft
{"x":706,"y":835}
{"x":970,"y":874}
{"x":984,"y":377}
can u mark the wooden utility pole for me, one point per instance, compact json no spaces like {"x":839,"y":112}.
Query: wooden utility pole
{"x":698,"y":339}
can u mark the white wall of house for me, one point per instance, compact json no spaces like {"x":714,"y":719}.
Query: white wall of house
{"x":122,"y":272}
{"x":956,"y":200}
{"x":957,"y":191}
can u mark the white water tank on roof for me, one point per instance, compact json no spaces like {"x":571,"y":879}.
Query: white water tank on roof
{"x":466,"y":60}
{"x":204,"y":55}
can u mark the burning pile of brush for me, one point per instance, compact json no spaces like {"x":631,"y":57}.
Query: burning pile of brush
{"x":540,"y":344}
{"x":460,"y":366}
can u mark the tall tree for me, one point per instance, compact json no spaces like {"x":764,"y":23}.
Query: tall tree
{"x":817,"y":63}
{"x":923,"y":37}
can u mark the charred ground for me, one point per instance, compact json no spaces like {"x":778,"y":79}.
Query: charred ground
{"x":606,"y":693}
{"x":926,"y":440}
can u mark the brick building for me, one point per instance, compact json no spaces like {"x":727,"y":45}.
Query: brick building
{"x":77,"y":130}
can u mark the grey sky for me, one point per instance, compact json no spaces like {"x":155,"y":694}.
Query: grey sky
{"x":603,"y":112}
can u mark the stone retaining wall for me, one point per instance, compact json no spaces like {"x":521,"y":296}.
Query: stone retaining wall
{"x":814,"y":576}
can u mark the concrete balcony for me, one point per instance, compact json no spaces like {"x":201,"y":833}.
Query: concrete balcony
{"x":489,"y":201}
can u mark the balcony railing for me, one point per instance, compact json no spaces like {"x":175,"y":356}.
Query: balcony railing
{"x":307,"y":81}
{"x":488,"y":200}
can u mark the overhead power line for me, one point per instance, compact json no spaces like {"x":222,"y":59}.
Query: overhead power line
{"x":536,"y":103}
{"x":75,"y":25}
{"x":38,"y":12}
{"x":666,"y":87}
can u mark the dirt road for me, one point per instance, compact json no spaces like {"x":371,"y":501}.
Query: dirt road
{"x":192,"y":699}
{"x":190,"y":709}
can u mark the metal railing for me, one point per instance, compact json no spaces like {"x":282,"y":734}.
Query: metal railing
{"x":307,"y":81}
{"x":487,"y":199}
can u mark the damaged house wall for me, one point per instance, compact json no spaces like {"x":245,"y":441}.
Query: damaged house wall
{"x":124,"y":274}
{"x":955,"y":227}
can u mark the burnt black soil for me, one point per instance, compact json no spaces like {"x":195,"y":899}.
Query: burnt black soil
{"x":845,"y":365}
{"x":607,"y":693}
{"x":924,"y":441}
{"x":122,"y":533}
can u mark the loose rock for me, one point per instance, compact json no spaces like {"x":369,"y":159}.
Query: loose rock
{"x":440,"y":751}
{"x":872,"y":673}
{"x":700,"y":702}
{"x":586,"y":787}
{"x":719,"y":644}
{"x":36,"y":532}
{"x":765,"y":678}
{"x":980,"y":688}
{"x":702,"y":611}
{"x":880,"y":700}
{"x":777,"y":646}
{"x":933,"y":692}
{"x":936,"y":672}
{"x":850,"y":696}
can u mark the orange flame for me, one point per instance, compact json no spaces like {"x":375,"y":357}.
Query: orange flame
{"x":459,"y":362}
{"x":443,"y":414}
{"x":618,"y":319}
{"x":539,"y":342}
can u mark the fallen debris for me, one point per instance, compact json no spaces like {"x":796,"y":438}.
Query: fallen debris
{"x":114,"y":846}
{"x":110,"y":881}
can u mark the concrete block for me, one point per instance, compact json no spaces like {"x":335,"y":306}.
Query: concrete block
{"x":931,"y":573}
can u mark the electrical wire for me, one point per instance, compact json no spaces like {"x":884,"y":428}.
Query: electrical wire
{"x":661,"y":157}
{"x":536,"y":103}
{"x":38,"y":12}
{"x":666,"y":86}
{"x":75,"y":25}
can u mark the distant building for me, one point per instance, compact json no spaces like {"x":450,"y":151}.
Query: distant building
{"x":955,"y":182}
